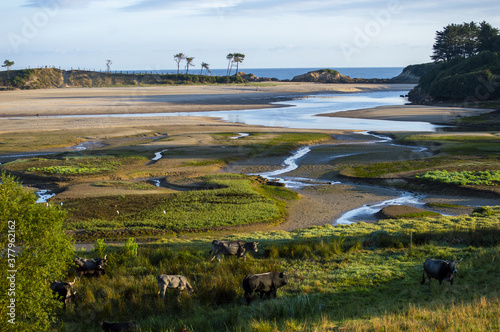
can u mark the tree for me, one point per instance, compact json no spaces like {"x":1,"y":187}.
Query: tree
{"x":8,"y":64}
{"x":464,"y":40}
{"x":229,"y":57}
{"x":45,"y":254}
{"x":238,"y":58}
{"x":189,"y":62}
{"x":489,"y":39}
{"x":204,"y":65}
{"x":178,"y":59}
{"x":108,"y":65}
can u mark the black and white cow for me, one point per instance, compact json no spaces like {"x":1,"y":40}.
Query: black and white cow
{"x":173,"y":281}
{"x":118,"y":327}
{"x":64,"y":291}
{"x":264,"y":283}
{"x":439,"y":269}
{"x":238,"y":248}
{"x":91,"y":267}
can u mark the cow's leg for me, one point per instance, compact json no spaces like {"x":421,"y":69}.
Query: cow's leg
{"x":213,"y":256}
{"x":248,"y":297}
{"x":163,"y":291}
{"x":218,"y":257}
{"x":423,"y":278}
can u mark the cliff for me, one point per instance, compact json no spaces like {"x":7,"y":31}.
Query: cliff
{"x":43,"y":78}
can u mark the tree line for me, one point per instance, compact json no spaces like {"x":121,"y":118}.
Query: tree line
{"x":465,"y":40}
{"x":231,"y":57}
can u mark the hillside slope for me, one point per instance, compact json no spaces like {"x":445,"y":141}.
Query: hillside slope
{"x":464,"y":80}
{"x":43,"y":78}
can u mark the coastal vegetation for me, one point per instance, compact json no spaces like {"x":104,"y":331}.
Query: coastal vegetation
{"x":467,"y":66}
{"x":35,"y":252}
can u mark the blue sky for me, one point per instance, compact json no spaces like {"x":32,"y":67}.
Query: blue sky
{"x":145,"y":34}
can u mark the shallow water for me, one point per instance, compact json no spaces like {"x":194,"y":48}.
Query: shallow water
{"x":302,"y":113}
{"x":363,"y":213}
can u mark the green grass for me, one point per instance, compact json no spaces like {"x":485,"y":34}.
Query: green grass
{"x":355,"y":277}
{"x":69,"y":166}
{"x":68,"y":170}
{"x":203,"y":162}
{"x":226,"y":200}
{"x":480,"y":178}
{"x":374,"y":170}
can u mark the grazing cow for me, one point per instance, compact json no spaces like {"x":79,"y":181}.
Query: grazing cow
{"x":116,"y":327}
{"x":264,"y":283}
{"x":172,"y":281}
{"x":238,"y":248}
{"x":64,"y":291}
{"x":439,"y":269}
{"x":91,"y":267}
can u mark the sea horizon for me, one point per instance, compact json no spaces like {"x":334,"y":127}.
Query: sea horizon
{"x":287,"y":73}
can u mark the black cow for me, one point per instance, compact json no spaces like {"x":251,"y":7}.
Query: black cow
{"x":116,"y":327}
{"x":91,"y":267}
{"x":439,"y":269}
{"x":264,"y":283}
{"x":238,"y":248}
{"x":64,"y":291}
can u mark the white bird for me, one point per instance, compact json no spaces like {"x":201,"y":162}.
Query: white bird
{"x":117,"y":211}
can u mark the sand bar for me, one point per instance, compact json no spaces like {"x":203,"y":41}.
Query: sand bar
{"x":156,"y":99}
{"x":433,"y":114}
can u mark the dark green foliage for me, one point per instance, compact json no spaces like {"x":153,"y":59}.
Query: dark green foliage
{"x":476,"y":78}
{"x":45,"y":256}
{"x":464,"y":40}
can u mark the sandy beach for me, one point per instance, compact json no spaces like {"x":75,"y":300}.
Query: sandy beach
{"x":433,"y":114}
{"x":27,"y":111}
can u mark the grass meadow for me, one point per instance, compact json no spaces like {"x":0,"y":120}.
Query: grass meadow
{"x":360,"y":277}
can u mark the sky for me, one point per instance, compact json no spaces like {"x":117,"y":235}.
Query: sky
{"x":146,"y":34}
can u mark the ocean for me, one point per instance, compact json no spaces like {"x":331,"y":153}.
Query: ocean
{"x":289,"y":73}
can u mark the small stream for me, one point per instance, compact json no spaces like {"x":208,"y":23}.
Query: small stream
{"x":364,"y":213}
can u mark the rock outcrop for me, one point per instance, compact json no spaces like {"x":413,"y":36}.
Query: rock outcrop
{"x":322,"y":76}
{"x":333,"y":76}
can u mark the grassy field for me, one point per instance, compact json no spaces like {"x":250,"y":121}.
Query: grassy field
{"x":221,"y":200}
{"x":363,"y":277}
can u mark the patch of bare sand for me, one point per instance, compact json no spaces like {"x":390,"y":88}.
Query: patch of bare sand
{"x":419,"y":113}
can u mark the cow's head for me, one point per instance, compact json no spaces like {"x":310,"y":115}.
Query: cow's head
{"x":254,"y":246}
{"x":101,"y":263}
{"x":71,"y":290}
{"x":453,"y":266}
